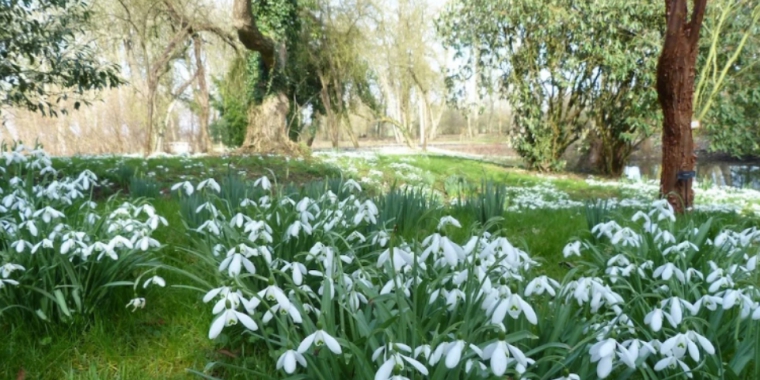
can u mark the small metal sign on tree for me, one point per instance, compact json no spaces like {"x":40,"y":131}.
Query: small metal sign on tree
{"x":676,"y":71}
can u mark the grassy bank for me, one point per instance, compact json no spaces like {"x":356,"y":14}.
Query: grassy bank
{"x":169,"y":336}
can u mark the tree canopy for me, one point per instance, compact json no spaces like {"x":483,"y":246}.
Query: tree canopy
{"x":45,"y":57}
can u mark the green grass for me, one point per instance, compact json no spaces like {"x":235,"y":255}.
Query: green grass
{"x":169,"y":336}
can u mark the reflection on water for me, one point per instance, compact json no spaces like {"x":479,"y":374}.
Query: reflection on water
{"x":734,"y":174}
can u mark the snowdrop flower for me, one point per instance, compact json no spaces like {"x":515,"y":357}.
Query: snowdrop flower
{"x":356,"y":235}
{"x":605,"y":352}
{"x":540,"y":284}
{"x":680,"y":344}
{"x":452,"y":352}
{"x":511,"y":303}
{"x":672,"y":362}
{"x":7,"y":269}
{"x":145,"y":242}
{"x":4,"y":281}
{"x":448,"y":220}
{"x":290,"y":310}
{"x":236,"y":259}
{"x":570,"y":376}
{"x":320,"y":338}
{"x":681,"y":248}
{"x":263,"y":182}
{"x":502,"y":354}
{"x":733,"y":297}
{"x":352,"y":185}
{"x":667,"y":271}
{"x":287,"y":361}
{"x":186,"y":186}
{"x":136,"y":303}
{"x":156,"y":280}
{"x":273,"y":293}
{"x":654,"y":319}
{"x":230,"y":317}
{"x":211,"y":184}
{"x":298,"y":271}
{"x":398,"y":258}
{"x":573,"y":248}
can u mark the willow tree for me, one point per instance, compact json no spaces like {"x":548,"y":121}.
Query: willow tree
{"x":676,"y":71}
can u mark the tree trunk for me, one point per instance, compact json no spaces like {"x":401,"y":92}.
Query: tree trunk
{"x":203,"y":95}
{"x":675,"y":90}
{"x":267,"y":127}
{"x":267,"y":122}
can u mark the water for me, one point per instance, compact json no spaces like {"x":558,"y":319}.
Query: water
{"x":720,"y":173}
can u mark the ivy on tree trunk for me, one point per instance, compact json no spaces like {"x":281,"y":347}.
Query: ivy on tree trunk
{"x":676,"y":70}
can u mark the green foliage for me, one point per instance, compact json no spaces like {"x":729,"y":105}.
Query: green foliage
{"x":232,"y":104}
{"x":726,"y":95}
{"x":567,"y":68}
{"x":141,"y":187}
{"x":41,"y":61}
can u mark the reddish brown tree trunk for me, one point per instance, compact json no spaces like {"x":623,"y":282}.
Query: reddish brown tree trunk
{"x":675,"y":90}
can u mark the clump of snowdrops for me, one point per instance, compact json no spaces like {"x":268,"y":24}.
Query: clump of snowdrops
{"x":63,"y":254}
{"x":333,"y":292}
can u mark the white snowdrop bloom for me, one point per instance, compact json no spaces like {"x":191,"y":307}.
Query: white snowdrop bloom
{"x":236,"y":259}
{"x":356,"y":235}
{"x":352,"y":185}
{"x":295,"y":229}
{"x":366,"y":212}
{"x":676,"y":306}
{"x":211,"y":226}
{"x":320,"y":338}
{"x":671,"y":362}
{"x":186,"y":186}
{"x":604,"y":353}
{"x":663,"y":210}
{"x":665,"y":237}
{"x":514,"y":305}
{"x":618,"y":260}
{"x":570,"y":376}
{"x":605,"y":229}
{"x":654,"y":319}
{"x":710,"y":302}
{"x":573,"y":248}
{"x":542,"y":284}
{"x":21,"y":245}
{"x":732,"y":297}
{"x":290,"y":310}
{"x":297,"y":269}
{"x":501,"y":354}
{"x":8,"y":268}
{"x":682,"y":249}
{"x":263,"y":182}
{"x":145,"y":242}
{"x":718,"y":280}
{"x":626,"y":237}
{"x":104,"y":249}
{"x":396,"y":360}
{"x":667,"y":270}
{"x":136,"y":303}
{"x":230,"y":317}
{"x":4,"y":281}
{"x":381,"y":238}
{"x":683,"y":343}
{"x":452,"y":352}
{"x":398,"y":257}
{"x":448,"y":221}
{"x":287,"y":361}
{"x":156,"y":280}
{"x":209,"y":183}
{"x":273,"y":294}
{"x":30,"y":226}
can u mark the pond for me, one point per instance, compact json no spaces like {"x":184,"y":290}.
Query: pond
{"x":720,"y":173}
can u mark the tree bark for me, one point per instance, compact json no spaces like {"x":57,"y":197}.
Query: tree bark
{"x":203,"y":95}
{"x":267,"y":122}
{"x":675,"y":90}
